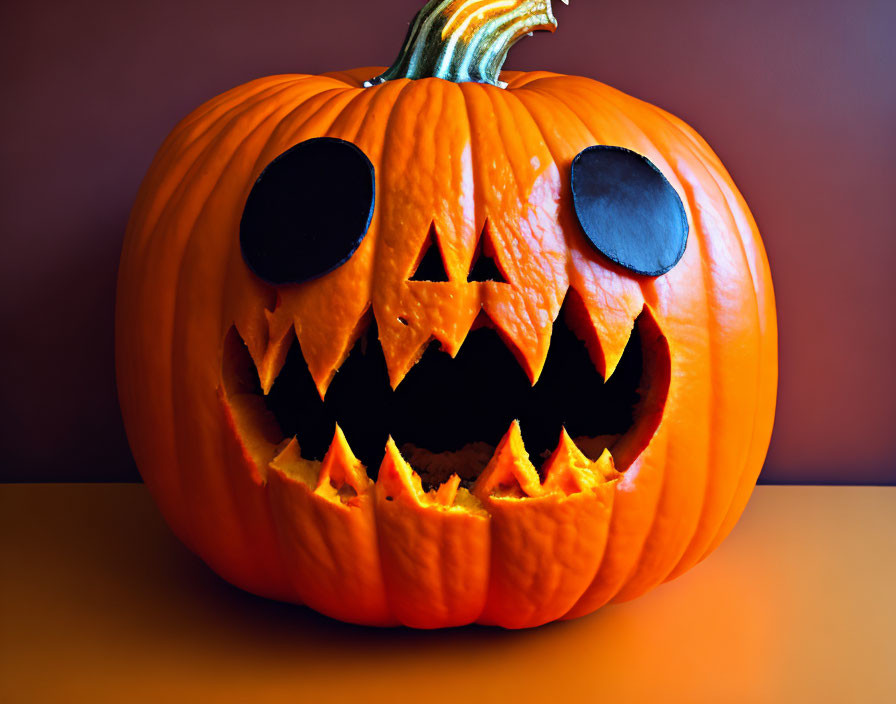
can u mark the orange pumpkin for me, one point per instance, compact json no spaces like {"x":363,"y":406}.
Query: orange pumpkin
{"x":247,"y":392}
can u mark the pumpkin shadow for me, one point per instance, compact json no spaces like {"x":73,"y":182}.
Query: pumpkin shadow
{"x":96,"y":566}
{"x":188,"y":599}
{"x":109,"y":556}
{"x":281,"y":627}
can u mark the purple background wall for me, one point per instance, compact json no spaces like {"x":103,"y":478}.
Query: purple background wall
{"x":798,"y":97}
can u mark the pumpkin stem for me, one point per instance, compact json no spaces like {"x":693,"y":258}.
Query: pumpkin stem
{"x":466,"y":40}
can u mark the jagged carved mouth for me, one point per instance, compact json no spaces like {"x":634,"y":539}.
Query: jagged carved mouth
{"x":449,"y":414}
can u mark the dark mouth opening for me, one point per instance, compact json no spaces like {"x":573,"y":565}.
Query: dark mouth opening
{"x":448,"y":415}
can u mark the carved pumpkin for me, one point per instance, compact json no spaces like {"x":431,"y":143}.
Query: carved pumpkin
{"x":363,"y":328}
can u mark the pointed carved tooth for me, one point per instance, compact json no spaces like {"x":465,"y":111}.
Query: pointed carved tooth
{"x":425,"y":311}
{"x":290,"y":453}
{"x":396,"y":477}
{"x":250,"y":301}
{"x":340,"y":467}
{"x":447,"y":493}
{"x":569,"y":471}
{"x":339,"y":478}
{"x":402,"y":344}
{"x":613,"y":346}
{"x":271,"y":364}
{"x":529,"y":345}
{"x":604,"y":326}
{"x":398,"y":480}
{"x":510,"y":473}
{"x":606,"y":466}
{"x":524,"y":309}
{"x":565,"y":468}
{"x":290,"y":463}
{"x":451,"y":321}
{"x":325,"y":350}
{"x":268,"y":351}
{"x":398,"y":368}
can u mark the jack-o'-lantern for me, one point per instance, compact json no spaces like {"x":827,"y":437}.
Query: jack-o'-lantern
{"x":437,"y":345}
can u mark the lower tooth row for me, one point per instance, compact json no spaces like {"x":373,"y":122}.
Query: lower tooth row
{"x":509,"y":474}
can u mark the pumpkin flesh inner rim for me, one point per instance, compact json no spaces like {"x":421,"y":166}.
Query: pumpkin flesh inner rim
{"x":449,"y":414}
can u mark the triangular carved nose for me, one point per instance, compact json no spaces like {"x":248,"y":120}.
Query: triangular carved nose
{"x":431,"y":266}
{"x":485,"y":267}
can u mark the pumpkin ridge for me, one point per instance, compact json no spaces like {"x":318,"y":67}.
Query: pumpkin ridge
{"x":698,"y":543}
{"x":604,"y":587}
{"x":403,"y":93}
{"x":185,"y":150}
{"x":323,"y":106}
{"x":209,"y":479}
{"x":331,"y":548}
{"x":530,"y":334}
{"x":155,"y":246}
{"x":624,"y":590}
{"x":521,"y":80}
{"x":598,"y":103}
{"x":406,"y":223}
{"x":611,"y":346}
{"x":767,"y":376}
{"x":567,"y":225}
{"x":188,"y":129}
{"x":173,"y":146}
{"x":560,"y":291}
{"x":480,"y":219}
{"x":353,"y":113}
{"x":351,"y":121}
{"x":759,"y":448}
{"x":250,"y":91}
{"x":541,"y":497}
{"x":474,"y":231}
{"x":703,"y":155}
{"x":713,"y":452}
{"x":348,"y":304}
{"x":718,"y":173}
{"x":547,"y":548}
{"x":434,"y":560}
{"x":286,"y":120}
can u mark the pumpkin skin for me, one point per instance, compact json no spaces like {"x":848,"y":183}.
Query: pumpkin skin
{"x":457,"y":159}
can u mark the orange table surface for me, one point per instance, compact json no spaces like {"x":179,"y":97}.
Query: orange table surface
{"x":100,"y":602}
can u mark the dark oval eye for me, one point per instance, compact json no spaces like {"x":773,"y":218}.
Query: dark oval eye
{"x":308,"y":211}
{"x":628,"y":210}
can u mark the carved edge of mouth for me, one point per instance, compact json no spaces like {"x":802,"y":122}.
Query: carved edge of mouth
{"x":446,"y":475}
